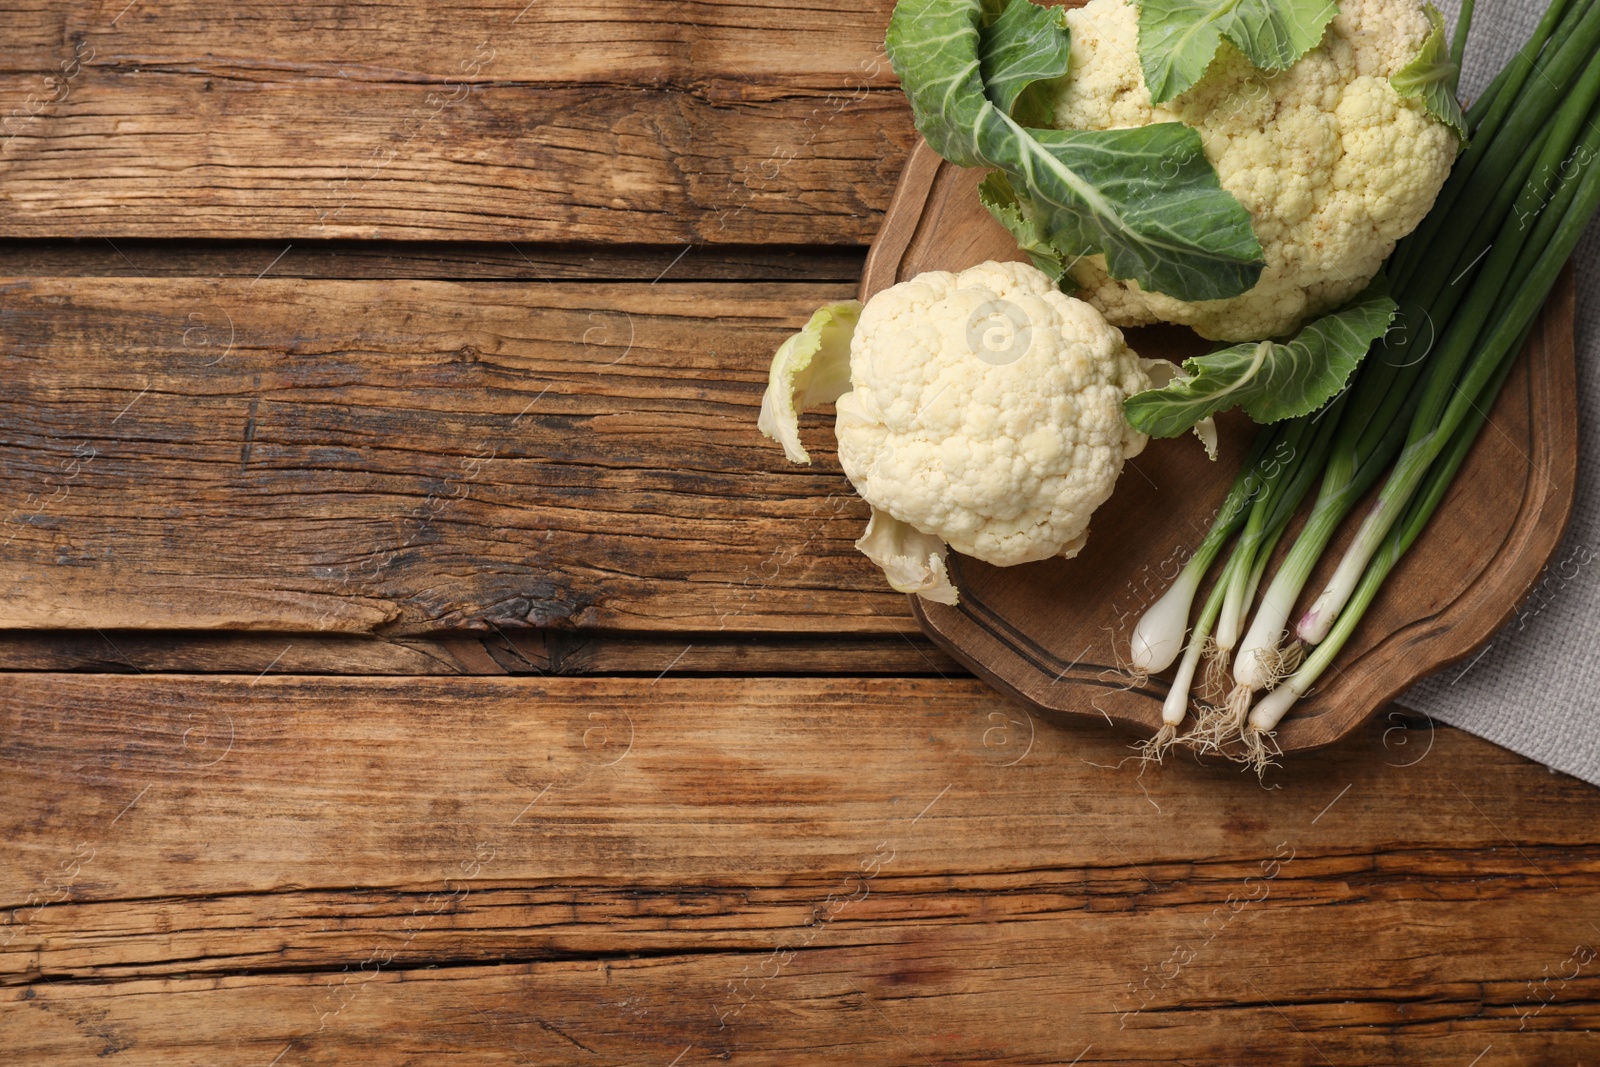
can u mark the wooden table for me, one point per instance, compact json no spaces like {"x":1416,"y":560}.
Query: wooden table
{"x":416,"y":656}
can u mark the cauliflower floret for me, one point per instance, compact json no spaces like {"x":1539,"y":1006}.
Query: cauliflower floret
{"x":1332,"y":163}
{"x":986,"y":410}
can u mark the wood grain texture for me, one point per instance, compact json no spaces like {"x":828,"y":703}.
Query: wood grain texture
{"x":715,"y":123}
{"x":237,"y":652}
{"x":400,"y":457}
{"x":499,"y":651}
{"x":475,"y":450}
{"x":569,"y":652}
{"x":1055,"y":633}
{"x":819,"y":44}
{"x":559,"y":871}
{"x":439,"y":260}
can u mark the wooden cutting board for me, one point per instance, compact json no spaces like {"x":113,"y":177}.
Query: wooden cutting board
{"x":1053,"y":633}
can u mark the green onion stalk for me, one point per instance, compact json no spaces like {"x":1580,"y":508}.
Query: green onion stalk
{"x":1176,"y":705}
{"x":1470,"y":244}
{"x":1279,"y":471}
{"x":1569,"y":140}
{"x":1158,"y":635}
{"x":1264,"y":718}
{"x":1523,"y":97}
{"x":1465,"y":254}
{"x":1455,"y":407}
{"x":1458,"y":43}
{"x":1313,"y":439}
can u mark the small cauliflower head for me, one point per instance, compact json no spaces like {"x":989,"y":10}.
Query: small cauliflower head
{"x":986,"y":411}
{"x":1332,"y":163}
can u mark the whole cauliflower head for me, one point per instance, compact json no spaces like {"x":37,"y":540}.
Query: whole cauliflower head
{"x":1333,"y":165}
{"x":986,"y":411}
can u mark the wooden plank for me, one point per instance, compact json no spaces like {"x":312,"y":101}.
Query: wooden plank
{"x":819,"y":44}
{"x":402,"y":457}
{"x":445,"y":260}
{"x":884,"y":869}
{"x":708,"y":121}
{"x":303,"y":930}
{"x":140,"y":153}
{"x":567,"y":652}
{"x":854,"y":1005}
{"x":210,"y":652}
{"x":558,"y":652}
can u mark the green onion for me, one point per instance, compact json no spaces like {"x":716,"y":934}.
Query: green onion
{"x":1489,"y":162}
{"x":1386,"y":389}
{"x":1449,"y":391}
{"x":1458,"y":43}
{"x":1176,"y":704}
{"x":1158,"y":636}
{"x":1481,"y":265}
{"x":1282,"y":464}
{"x":1431,"y":460}
{"x":1249,"y":563}
{"x":1270,"y":711}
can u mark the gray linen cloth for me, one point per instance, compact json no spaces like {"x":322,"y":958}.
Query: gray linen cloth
{"x":1536,"y":687}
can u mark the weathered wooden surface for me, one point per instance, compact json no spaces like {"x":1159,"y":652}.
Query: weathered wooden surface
{"x":405,"y":456}
{"x":563,"y":652}
{"x":593,"y":871}
{"x":332,"y":348}
{"x":498,"y":651}
{"x":713,"y":122}
{"x":234,"y":652}
{"x":445,"y":260}
{"x":820,"y":44}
